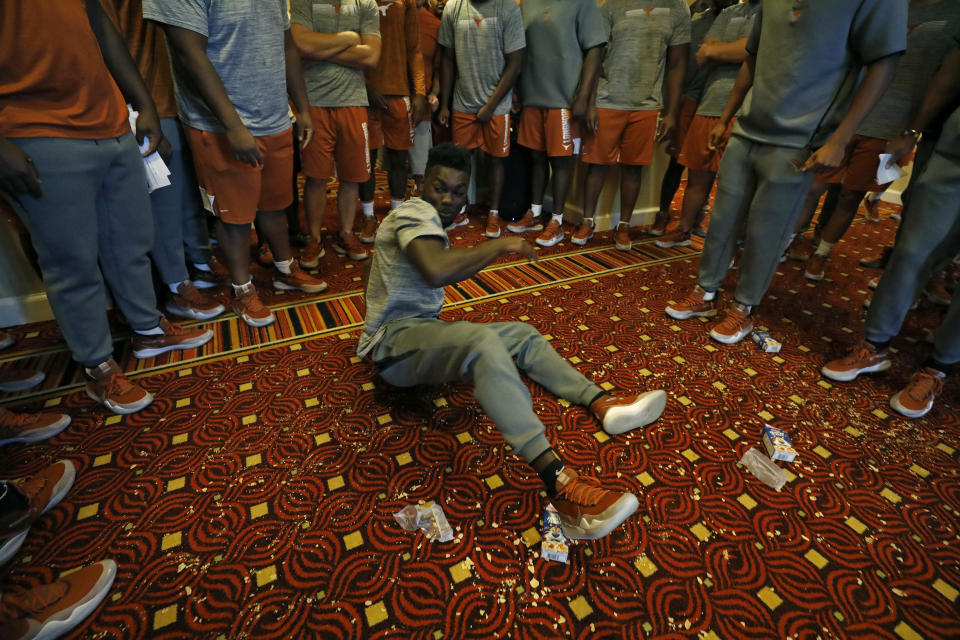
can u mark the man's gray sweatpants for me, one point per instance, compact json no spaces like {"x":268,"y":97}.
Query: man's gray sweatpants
{"x":94,"y":212}
{"x":758,"y":189}
{"x":429,"y":351}
{"x":929,"y":233}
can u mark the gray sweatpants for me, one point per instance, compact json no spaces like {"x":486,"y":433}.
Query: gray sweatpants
{"x":758,"y":189}
{"x":428,"y":351}
{"x":94,"y":208}
{"x":929,"y":233}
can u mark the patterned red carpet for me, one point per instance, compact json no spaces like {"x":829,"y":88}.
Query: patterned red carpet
{"x":253,"y":499}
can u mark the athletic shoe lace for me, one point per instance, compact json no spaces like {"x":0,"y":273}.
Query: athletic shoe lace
{"x":118,"y":385}
{"x":32,"y":486}
{"x":583,"y":490}
{"x":11,"y":420}
{"x":21,"y":605}
{"x":731,"y":323}
{"x":923,"y":387}
{"x":252,"y":304}
{"x":860,"y":353}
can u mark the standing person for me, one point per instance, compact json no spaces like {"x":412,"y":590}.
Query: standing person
{"x":339,"y":41}
{"x":432,"y":60}
{"x":484,"y":40}
{"x":565,"y":46}
{"x":806,"y":60}
{"x":398,"y":100}
{"x":646,"y":47}
{"x":720,"y":55}
{"x":70,"y":167}
{"x":178,"y":223}
{"x":409,"y":345}
{"x":233,"y":66}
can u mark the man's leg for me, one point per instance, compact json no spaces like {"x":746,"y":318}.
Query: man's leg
{"x":630,"y":180}
{"x":399,"y":171}
{"x":539,"y":174}
{"x":234,"y":240}
{"x":274,"y":227}
{"x":368,"y":189}
{"x":669,"y":186}
{"x":592,"y":186}
{"x":495,"y":174}
{"x":847,"y":204}
{"x":169,"y":219}
{"x":562,"y":170}
{"x":315,"y":204}
{"x":946,"y":342}
{"x":193,"y":223}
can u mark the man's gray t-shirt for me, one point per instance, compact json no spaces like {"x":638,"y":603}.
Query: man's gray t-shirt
{"x":395,"y":288}
{"x":695,"y":75}
{"x":639,"y":34}
{"x":245,"y":44}
{"x":932,"y":32}
{"x":735,"y":23}
{"x":558,"y":34}
{"x":330,"y":84}
{"x":809,"y":58}
{"x":481,"y":35}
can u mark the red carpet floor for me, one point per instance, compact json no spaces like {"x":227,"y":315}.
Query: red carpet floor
{"x":253,"y":499}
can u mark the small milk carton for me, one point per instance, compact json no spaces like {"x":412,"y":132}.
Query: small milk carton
{"x":766,"y":342}
{"x":553,"y":544}
{"x":778,"y":444}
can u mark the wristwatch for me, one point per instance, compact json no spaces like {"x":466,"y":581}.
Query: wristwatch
{"x":913,"y":133}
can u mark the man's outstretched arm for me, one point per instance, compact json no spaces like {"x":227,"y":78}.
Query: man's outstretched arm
{"x":440,"y":266}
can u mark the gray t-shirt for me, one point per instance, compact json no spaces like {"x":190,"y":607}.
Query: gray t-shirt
{"x":481,"y":34}
{"x":330,"y":84}
{"x":695,"y":75}
{"x":932,"y":31}
{"x":395,"y":288}
{"x":735,"y":23}
{"x":639,"y":34}
{"x":245,"y":43}
{"x":558,"y":34}
{"x":809,"y":58}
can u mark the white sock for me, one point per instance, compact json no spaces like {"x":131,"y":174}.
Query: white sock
{"x":495,"y":213}
{"x":824,"y":248}
{"x":283,"y":266}
{"x":201,"y":267}
{"x":558,"y":217}
{"x":709,"y":295}
{"x":175,"y":286}
{"x":239,"y":289}
{"x":537,"y":209}
{"x":367,"y":208}
{"x":393,"y":204}
{"x":156,"y":331}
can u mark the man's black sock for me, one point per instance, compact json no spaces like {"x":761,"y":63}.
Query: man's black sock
{"x":549,"y":476}
{"x":879,"y":346}
{"x":933,"y":363}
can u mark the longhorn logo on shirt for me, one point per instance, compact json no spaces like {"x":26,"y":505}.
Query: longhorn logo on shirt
{"x":384,"y":6}
{"x":648,"y":10}
{"x":478,"y":21}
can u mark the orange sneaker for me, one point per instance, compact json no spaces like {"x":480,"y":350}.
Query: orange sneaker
{"x":30,"y":427}
{"x":694,"y":305}
{"x":659,"y":226}
{"x":584,"y":232}
{"x":461,"y":220}
{"x":528,"y":222}
{"x":872,"y":206}
{"x":916,"y":400}
{"x":619,"y":412}
{"x":298,"y":280}
{"x":735,"y":325}
{"x":190,"y":302}
{"x":350,"y":247}
{"x":936,"y":290}
{"x":815,"y":268}
{"x":676,"y":238}
{"x":216,"y":275}
{"x":552,"y":235}
{"x":310,"y":256}
{"x":48,"y":487}
{"x":493,"y":226}
{"x":12,"y":380}
{"x":173,"y":338}
{"x":107,"y":385}
{"x":621,"y":237}
{"x":368,"y":229}
{"x":248,"y":306}
{"x":264,"y":255}
{"x":587,"y":510}
{"x":863,"y":358}
{"x":801,"y":248}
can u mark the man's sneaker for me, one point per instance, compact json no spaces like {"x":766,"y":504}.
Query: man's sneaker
{"x":298,"y":280}
{"x":107,"y":385}
{"x":735,"y":325}
{"x":349,"y":247}
{"x":528,"y":222}
{"x":20,"y":379}
{"x":880,"y":261}
{"x":916,"y":400}
{"x":895,"y":216}
{"x":814,"y":269}
{"x":552,"y":235}
{"x":693,"y":306}
{"x":620,"y":413}
{"x":265,"y":255}
{"x":936,"y":292}
{"x":190,"y":302}
{"x":676,"y":238}
{"x":368,"y":229}
{"x":801,"y":248}
{"x":461,"y":220}
{"x":659,"y":226}
{"x":173,"y":338}
{"x":310,"y":256}
{"x":46,"y":489}
{"x":493,"y":226}
{"x":51,"y":610}
{"x":584,"y":232}
{"x":874,"y":283}
{"x":873,"y":209}
{"x":248,"y":306}
{"x":863,"y":358}
{"x":621,"y":237}
{"x":30,"y":427}
{"x":587,"y":510}
{"x":217,"y":276}
{"x":6,"y":340}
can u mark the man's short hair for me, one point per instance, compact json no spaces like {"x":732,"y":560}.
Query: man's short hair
{"x":449,"y":155}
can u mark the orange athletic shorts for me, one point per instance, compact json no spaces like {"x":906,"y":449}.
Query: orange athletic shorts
{"x":492,"y":137}
{"x":340,"y":145}
{"x":627,"y":137}
{"x":394,"y":127}
{"x":859,"y":169}
{"x":237,"y":190}
{"x":550,"y":130}
{"x":695,"y":153}
{"x":688,"y":109}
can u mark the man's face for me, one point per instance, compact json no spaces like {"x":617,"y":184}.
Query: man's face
{"x":446,"y":190}
{"x":438,"y":7}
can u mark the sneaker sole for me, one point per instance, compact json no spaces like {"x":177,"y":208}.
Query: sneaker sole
{"x":603,"y":524}
{"x":11,"y":546}
{"x":851,"y":374}
{"x":735,"y":338}
{"x":7,"y":342}
{"x":23,"y":385}
{"x":937,"y":300}
{"x":536,"y":227}
{"x":199,"y":341}
{"x":671,"y":245}
{"x":123,"y":409}
{"x":816,"y":277}
{"x":580,"y":242}
{"x":623,"y":247}
{"x":312,"y":264}
{"x":492,"y":235}
{"x":366,"y":240}
{"x":655,"y":233}
{"x":646,"y":409}
{"x":54,"y":628}
{"x":196,"y":314}
{"x":202,"y":284}
{"x":910,"y":413}
{"x":353,"y":256}
{"x":454,"y":226}
{"x":256,"y":322}
{"x":683,"y":315}
{"x":37,"y":435}
{"x":307,"y":288}
{"x":63,"y":486}
{"x":549,"y":243}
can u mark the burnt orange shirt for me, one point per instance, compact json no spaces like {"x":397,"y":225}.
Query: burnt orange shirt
{"x":400,"y":72}
{"x":148,"y":48}
{"x":429,"y":30}
{"x":53,"y":81}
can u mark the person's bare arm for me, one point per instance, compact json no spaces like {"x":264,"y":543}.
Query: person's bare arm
{"x":418,"y":86}
{"x":365,"y":55}
{"x":316,"y":47}
{"x":446,"y":84}
{"x":720,"y":52}
{"x":511,"y":71}
{"x":589,"y":76}
{"x":297,"y":90}
{"x":741,"y":86}
{"x":440,"y":266}
{"x":676,"y":68}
